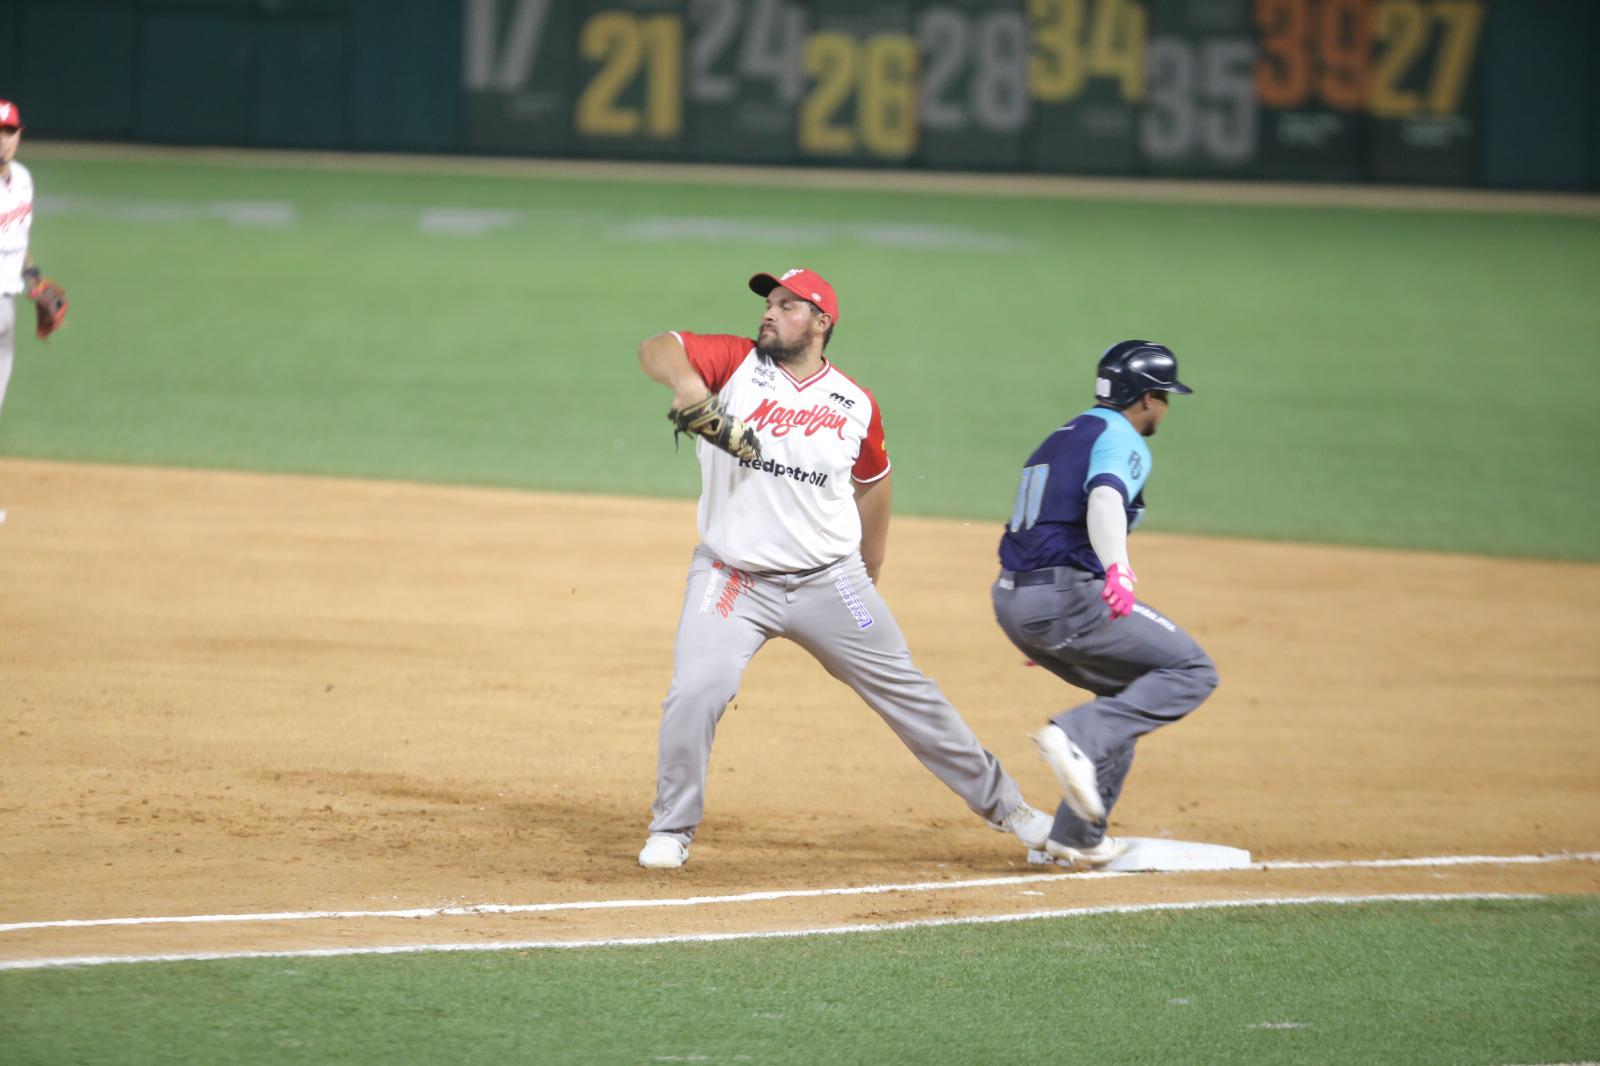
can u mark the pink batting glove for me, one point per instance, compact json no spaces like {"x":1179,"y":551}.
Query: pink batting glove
{"x":1118,"y":592}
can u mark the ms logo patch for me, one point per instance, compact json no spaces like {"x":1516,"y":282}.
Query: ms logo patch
{"x":1135,"y":463}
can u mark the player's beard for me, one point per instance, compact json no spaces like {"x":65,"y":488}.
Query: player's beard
{"x":776,"y":351}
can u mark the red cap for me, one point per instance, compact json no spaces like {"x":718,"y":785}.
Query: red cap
{"x":10,"y":116}
{"x":806,"y":284}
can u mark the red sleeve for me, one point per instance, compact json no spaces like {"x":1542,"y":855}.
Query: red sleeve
{"x":714,"y":356}
{"x":873,"y":461}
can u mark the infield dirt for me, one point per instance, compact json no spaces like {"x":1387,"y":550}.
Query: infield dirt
{"x":231,"y":693}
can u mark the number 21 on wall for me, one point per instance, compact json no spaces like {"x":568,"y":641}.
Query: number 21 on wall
{"x":623,"y":43}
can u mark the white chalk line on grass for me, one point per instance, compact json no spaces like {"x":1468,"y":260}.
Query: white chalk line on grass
{"x":1440,"y":860}
{"x":463,"y":221}
{"x":475,"y":909}
{"x":772,"y":934}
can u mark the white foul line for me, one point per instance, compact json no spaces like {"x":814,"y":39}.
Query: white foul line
{"x":1442,"y":860}
{"x":475,"y":909}
{"x":780,"y":934}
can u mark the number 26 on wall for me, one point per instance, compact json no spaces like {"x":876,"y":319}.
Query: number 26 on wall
{"x":881,"y":72}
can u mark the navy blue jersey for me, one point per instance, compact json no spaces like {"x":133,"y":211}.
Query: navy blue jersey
{"x":1048,"y":524}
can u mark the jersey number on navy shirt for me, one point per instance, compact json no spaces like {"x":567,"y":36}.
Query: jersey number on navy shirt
{"x":1030,"y":497}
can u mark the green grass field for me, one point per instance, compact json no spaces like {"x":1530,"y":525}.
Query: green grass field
{"x":1456,"y":983}
{"x":1414,"y":379}
{"x":1410,"y":379}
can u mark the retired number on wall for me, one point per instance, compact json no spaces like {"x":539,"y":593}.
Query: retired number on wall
{"x":1086,"y":77}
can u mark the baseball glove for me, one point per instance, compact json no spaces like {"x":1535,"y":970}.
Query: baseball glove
{"x":50,"y":305}
{"x":709,"y":419}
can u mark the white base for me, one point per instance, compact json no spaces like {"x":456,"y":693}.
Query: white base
{"x":1146,"y":854}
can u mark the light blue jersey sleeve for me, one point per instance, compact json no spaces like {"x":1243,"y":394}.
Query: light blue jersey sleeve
{"x":1120,"y":457}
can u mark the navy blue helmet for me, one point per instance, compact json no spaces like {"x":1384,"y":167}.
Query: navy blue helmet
{"x":1129,"y":369}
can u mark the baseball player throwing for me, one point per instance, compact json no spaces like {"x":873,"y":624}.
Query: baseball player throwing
{"x":793,"y":521}
{"x":1065,"y":596}
{"x":17,"y":271}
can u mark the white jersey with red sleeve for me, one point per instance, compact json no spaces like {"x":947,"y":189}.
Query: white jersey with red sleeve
{"x":793,"y":509}
{"x":16,"y":217}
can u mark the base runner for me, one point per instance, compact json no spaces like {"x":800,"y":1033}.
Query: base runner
{"x":793,"y":521}
{"x":1065,"y":596}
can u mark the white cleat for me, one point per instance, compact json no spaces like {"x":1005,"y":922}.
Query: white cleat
{"x":1027,"y":824}
{"x":662,"y":852}
{"x":1080,"y":788}
{"x":1142,"y":854}
{"x":1108,"y":850}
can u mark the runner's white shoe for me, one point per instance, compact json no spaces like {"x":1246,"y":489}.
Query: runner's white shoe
{"x":1079,"y":787}
{"x":663,"y":852}
{"x":1027,"y":824}
{"x":1086,"y":858}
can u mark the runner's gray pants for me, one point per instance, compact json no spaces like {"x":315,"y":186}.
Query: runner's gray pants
{"x":1145,"y":671}
{"x":837,"y":615}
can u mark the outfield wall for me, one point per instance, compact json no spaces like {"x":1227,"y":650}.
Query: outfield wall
{"x":1445,"y":92}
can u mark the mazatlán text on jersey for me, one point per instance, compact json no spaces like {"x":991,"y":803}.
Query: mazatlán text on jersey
{"x":808,"y":477}
{"x":780,"y":420}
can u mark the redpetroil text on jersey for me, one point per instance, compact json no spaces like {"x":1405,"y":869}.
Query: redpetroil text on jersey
{"x":809,"y":477}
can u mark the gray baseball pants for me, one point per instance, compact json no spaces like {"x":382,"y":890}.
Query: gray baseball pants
{"x":836,"y":614}
{"x":8,"y":342}
{"x":1144,"y":670}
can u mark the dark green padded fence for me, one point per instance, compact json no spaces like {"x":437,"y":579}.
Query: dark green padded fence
{"x":1463,"y":92}
{"x":370,"y":74}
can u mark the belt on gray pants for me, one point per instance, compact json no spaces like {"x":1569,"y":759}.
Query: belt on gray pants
{"x":1050,"y":575}
{"x":799,"y":573}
